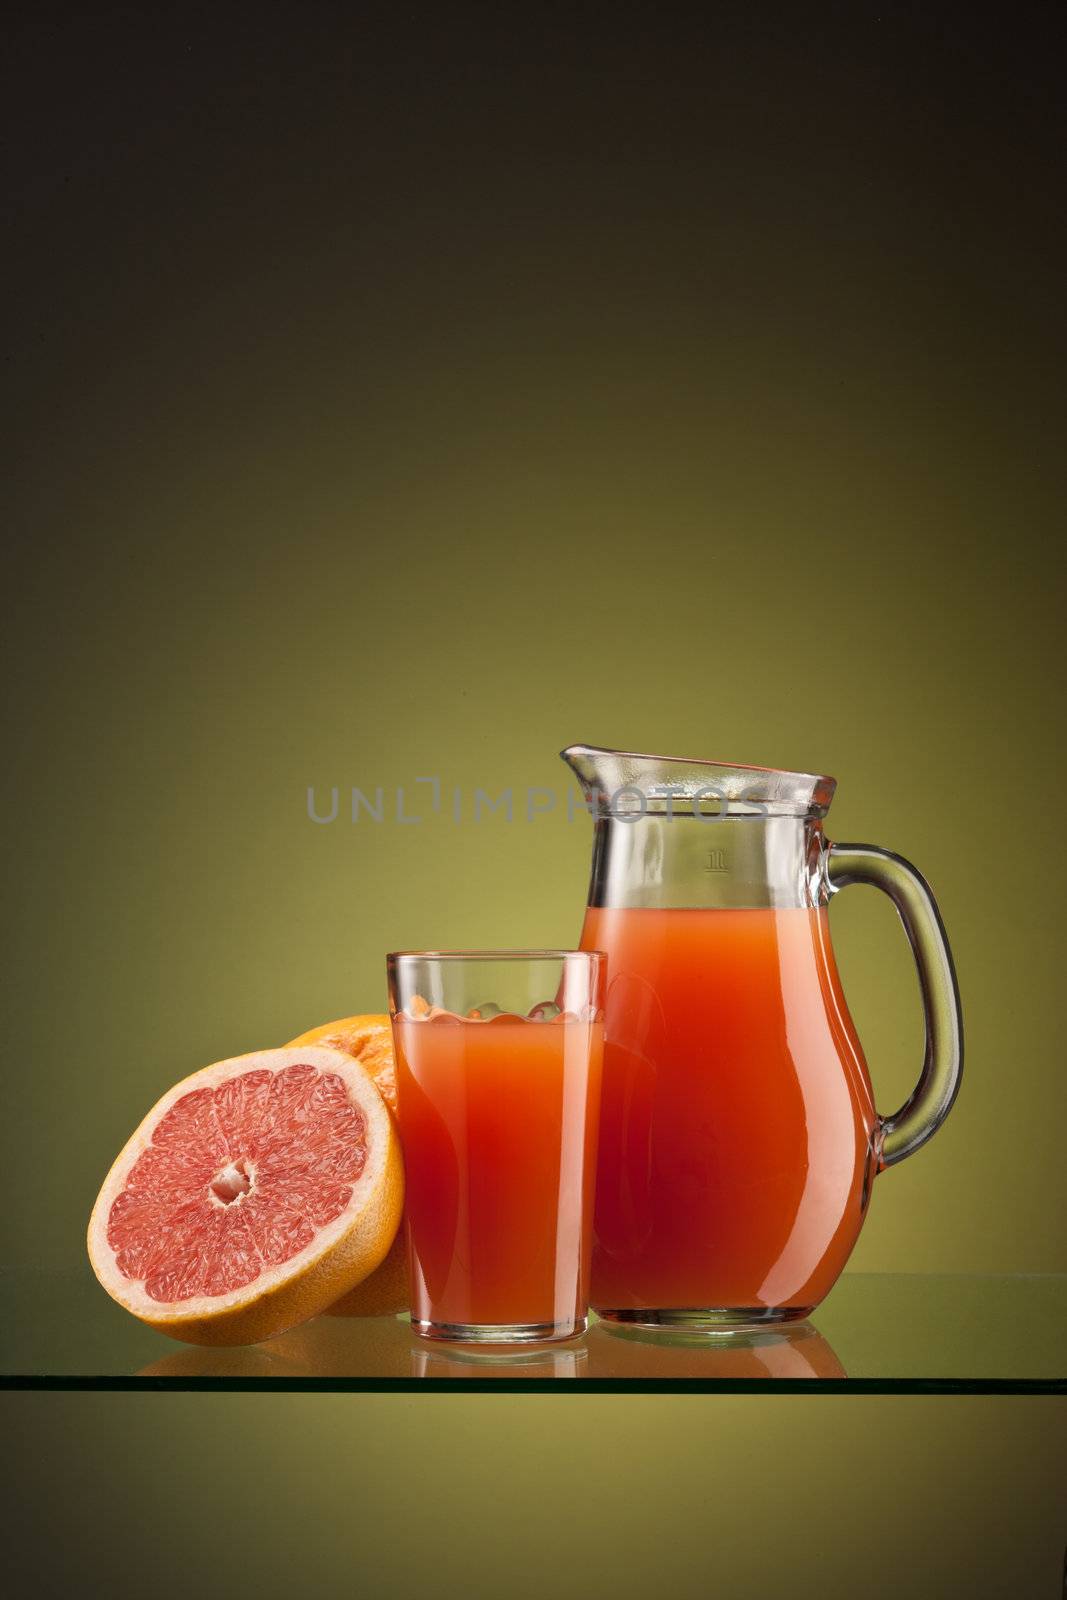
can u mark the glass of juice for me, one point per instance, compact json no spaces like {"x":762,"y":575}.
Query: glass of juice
{"x":498,"y":1059}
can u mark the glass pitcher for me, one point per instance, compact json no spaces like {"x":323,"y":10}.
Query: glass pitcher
{"x":739,"y":1138}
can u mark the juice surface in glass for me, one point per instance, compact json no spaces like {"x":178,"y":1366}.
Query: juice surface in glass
{"x":737,"y":1116}
{"x":499,"y":1126}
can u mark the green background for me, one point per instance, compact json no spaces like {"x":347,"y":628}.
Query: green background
{"x":520,"y":1495}
{"x":407,"y":395}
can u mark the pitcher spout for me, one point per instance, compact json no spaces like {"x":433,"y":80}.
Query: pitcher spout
{"x":624,"y":782}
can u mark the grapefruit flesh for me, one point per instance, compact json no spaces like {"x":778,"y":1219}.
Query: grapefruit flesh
{"x":251,"y":1197}
{"x":369,"y":1038}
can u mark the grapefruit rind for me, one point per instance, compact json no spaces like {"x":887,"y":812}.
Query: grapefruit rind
{"x":341,"y":1254}
{"x":368,"y":1036}
{"x":384,"y":1292}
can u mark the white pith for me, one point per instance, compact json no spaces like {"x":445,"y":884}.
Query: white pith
{"x":129,"y":1292}
{"x":231,"y":1172}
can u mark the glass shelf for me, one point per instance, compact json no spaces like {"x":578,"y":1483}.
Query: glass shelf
{"x":874,"y":1334}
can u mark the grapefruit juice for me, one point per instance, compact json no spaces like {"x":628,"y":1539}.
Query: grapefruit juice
{"x":737,"y":1121}
{"x":498,"y":1122}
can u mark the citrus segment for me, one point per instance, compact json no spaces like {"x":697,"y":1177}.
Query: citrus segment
{"x":369,"y":1038}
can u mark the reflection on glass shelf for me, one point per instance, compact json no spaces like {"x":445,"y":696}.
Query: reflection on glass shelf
{"x":381,"y":1347}
{"x":386,"y":1348}
{"x":570,"y":1360}
{"x":797,"y":1350}
{"x":328,"y":1347}
{"x":893,"y":1331}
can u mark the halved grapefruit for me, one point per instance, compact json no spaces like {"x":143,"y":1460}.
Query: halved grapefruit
{"x":252,"y":1196}
{"x":369,"y":1038}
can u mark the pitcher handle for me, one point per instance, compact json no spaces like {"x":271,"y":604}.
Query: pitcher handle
{"x":931,"y":1100}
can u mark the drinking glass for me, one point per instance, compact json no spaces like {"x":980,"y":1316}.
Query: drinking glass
{"x":498,"y":1059}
